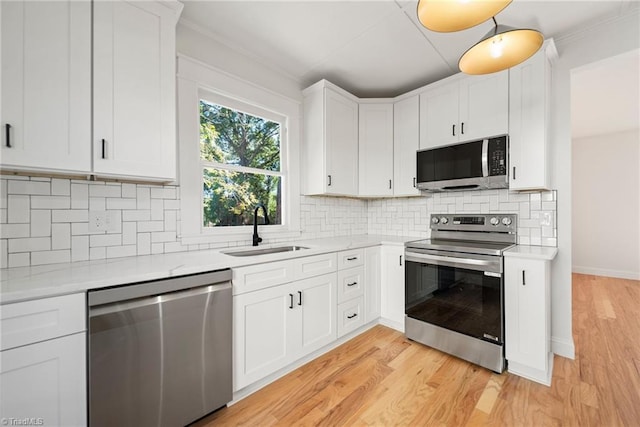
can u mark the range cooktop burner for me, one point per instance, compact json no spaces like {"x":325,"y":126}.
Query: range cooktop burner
{"x":450,"y":245}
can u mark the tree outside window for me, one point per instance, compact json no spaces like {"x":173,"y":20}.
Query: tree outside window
{"x":241,"y":158}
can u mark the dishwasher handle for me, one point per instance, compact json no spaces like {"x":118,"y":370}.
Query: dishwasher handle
{"x":156,"y":287}
{"x":114,"y":307}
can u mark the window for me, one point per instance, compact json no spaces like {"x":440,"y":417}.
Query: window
{"x":241,"y":160}
{"x":238,"y":147}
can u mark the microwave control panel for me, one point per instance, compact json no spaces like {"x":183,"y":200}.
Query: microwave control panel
{"x":497,"y":156}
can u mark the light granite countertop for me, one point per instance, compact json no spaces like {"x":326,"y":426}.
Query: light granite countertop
{"x":25,"y":283}
{"x":543,"y":253}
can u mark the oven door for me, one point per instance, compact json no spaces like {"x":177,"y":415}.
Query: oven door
{"x":458,"y":292}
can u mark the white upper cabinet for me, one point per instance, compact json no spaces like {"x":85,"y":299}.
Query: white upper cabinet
{"x":330,"y":143}
{"x":406,"y":141}
{"x":376,"y":149}
{"x":464,"y":108}
{"x":529,"y":99}
{"x":134,"y":132}
{"x":439,"y":115}
{"x":46,"y":85}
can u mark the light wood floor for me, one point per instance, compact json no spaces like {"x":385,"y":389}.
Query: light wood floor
{"x":380,"y":378}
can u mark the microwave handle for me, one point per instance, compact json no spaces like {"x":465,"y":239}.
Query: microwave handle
{"x":485,"y":157}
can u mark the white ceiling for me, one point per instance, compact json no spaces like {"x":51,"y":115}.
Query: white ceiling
{"x":374,"y":48}
{"x":605,"y":96}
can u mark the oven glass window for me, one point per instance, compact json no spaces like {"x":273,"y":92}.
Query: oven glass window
{"x":465,"y":301}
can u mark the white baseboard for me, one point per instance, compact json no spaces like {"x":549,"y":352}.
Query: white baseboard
{"x":621,"y":274}
{"x":563,"y":347}
{"x":392,"y":324}
{"x":537,"y":375}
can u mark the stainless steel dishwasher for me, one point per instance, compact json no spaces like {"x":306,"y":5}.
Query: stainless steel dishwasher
{"x":160,"y":351}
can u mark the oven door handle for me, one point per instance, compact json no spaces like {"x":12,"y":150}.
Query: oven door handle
{"x":470,"y":264}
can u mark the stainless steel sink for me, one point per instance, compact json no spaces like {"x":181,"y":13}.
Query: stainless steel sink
{"x":264,"y":251}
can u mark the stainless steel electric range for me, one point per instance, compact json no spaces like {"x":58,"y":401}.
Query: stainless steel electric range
{"x":454,"y":286}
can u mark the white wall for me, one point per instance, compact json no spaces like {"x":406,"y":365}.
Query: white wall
{"x":608,"y":39}
{"x":198,"y":44}
{"x":606,"y":205}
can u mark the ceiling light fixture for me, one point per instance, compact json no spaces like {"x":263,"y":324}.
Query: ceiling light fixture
{"x":501,"y":48}
{"x":445,"y":16}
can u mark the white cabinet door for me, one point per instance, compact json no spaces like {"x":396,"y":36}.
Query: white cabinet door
{"x":372,"y":280}
{"x":46,"y":381}
{"x":406,"y":141}
{"x":46,"y":85}
{"x":265,"y":338}
{"x":526,"y":312}
{"x":484,"y":106}
{"x":134,"y":132}
{"x":393,"y":285}
{"x":375,"y":149}
{"x":341,"y":133}
{"x":439,"y":115}
{"x":315,"y":299}
{"x":529,"y":85}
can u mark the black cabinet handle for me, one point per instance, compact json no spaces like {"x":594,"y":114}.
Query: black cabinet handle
{"x":7,"y":129}
{"x":104,"y":146}
{"x":389,"y":184}
{"x":400,"y":259}
{"x":329,"y":185}
{"x":299,"y":297}
{"x":514,"y":172}
{"x":352,"y":284}
{"x":290,"y":300}
{"x":462,"y":128}
{"x":414,"y":182}
{"x":453,"y":130}
{"x":352,"y":316}
{"x":353,"y":258}
{"x":524,"y":282}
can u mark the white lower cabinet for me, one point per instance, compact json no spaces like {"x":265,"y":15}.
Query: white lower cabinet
{"x":392,"y":292}
{"x":373,"y":281}
{"x":316,"y":304}
{"x":275,"y":326}
{"x":45,"y":381}
{"x":350,"y":315}
{"x":43,"y":361}
{"x":527,"y":318}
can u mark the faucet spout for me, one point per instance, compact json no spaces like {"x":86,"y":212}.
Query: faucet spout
{"x":257,"y":239}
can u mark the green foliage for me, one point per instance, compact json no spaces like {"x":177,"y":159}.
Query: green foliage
{"x":233,"y":137}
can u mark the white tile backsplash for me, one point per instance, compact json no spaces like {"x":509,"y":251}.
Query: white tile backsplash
{"x":45,"y":220}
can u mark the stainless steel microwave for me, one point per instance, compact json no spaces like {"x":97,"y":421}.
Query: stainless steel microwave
{"x":472,"y":165}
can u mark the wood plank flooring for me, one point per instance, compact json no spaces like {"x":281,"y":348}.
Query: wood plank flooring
{"x":382,"y":379}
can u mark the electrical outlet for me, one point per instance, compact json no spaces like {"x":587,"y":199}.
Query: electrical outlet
{"x":545,"y":219}
{"x":98,"y":221}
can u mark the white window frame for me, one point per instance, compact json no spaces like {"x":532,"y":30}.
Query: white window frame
{"x":197,"y":81}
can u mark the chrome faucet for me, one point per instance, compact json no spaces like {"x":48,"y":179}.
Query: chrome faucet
{"x":257,"y":239}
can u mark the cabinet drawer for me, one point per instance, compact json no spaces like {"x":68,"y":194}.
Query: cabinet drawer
{"x":261,"y":276}
{"x":314,"y":266}
{"x":39,"y":320}
{"x":350,"y":283}
{"x":350,"y":315}
{"x":349,"y":259}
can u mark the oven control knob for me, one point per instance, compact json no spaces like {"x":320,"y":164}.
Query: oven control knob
{"x":444,"y":220}
{"x":435,"y":220}
{"x":494,"y":221}
{"x":506,"y":221}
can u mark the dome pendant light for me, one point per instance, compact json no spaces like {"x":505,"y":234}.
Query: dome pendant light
{"x":445,"y":16}
{"x":501,"y":48}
